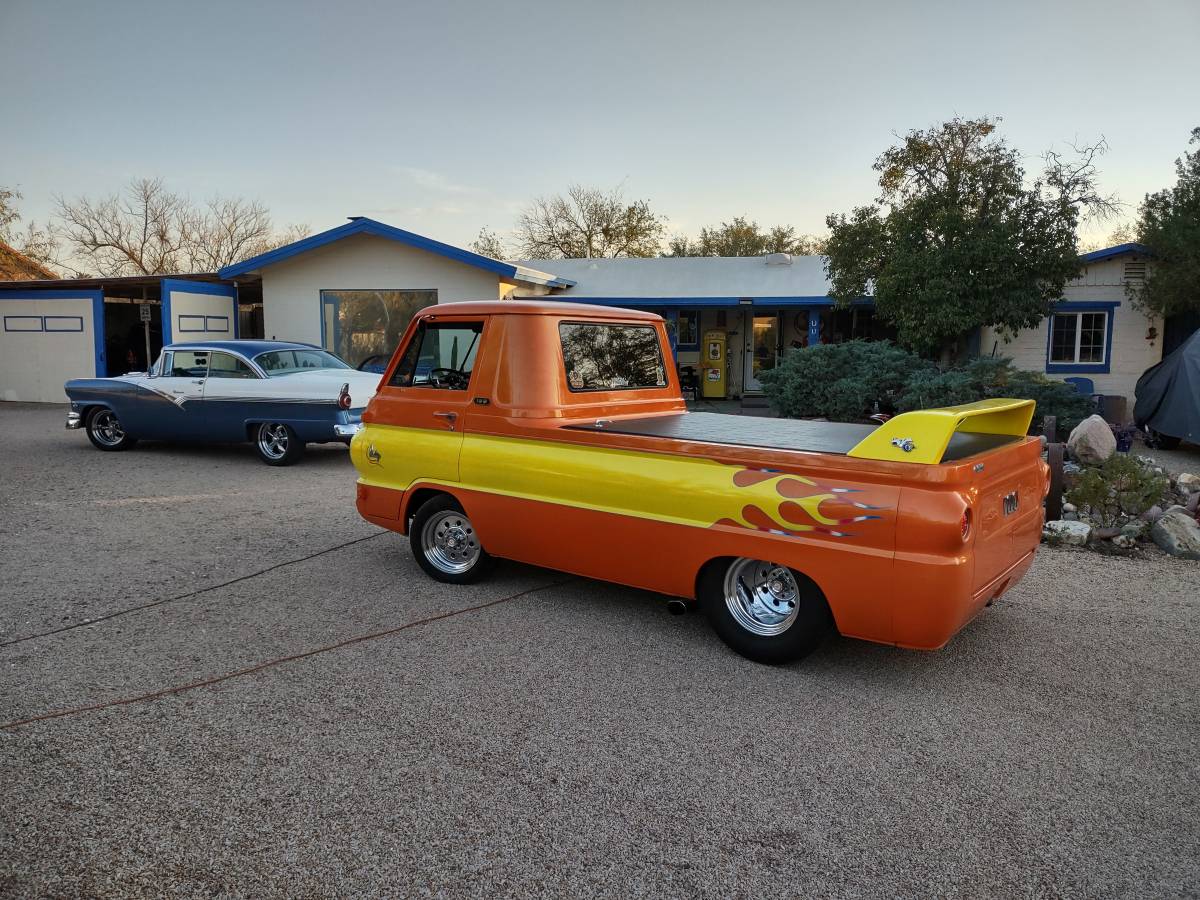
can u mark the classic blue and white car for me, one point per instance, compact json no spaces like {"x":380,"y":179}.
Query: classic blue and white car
{"x":275,"y":394}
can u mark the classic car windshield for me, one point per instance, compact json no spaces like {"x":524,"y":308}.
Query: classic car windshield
{"x":285,"y":362}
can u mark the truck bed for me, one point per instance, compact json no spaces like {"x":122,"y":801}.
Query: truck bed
{"x":776,"y":434}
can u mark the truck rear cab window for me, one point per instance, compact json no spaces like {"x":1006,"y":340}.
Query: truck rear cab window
{"x":440,"y":355}
{"x":600,"y":357}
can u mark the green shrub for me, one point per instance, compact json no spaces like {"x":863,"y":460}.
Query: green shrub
{"x":1119,"y":489}
{"x":842,"y":382}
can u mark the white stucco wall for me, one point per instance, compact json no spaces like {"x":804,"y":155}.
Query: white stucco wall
{"x":292,"y":288}
{"x":1131,"y":352}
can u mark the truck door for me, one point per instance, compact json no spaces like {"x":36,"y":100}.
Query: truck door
{"x":426,"y":400}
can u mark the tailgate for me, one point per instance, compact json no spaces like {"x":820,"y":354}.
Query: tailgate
{"x":1009,"y":485}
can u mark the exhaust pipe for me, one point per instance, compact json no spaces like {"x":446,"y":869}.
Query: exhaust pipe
{"x":677,"y":607}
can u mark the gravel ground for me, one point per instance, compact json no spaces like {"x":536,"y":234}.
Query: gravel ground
{"x":576,"y":740}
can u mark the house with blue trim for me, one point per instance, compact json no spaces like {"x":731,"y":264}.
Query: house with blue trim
{"x":1095,"y":337}
{"x":354,"y":288}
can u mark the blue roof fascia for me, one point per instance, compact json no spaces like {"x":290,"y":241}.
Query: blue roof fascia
{"x":363,"y":225}
{"x":1110,"y":252}
{"x":693,"y":302}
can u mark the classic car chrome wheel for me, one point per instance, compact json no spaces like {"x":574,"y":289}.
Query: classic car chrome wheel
{"x":277,"y":444}
{"x":105,"y":431}
{"x":450,"y":542}
{"x":762,"y":597}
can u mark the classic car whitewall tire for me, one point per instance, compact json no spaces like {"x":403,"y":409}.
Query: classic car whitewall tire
{"x":105,"y":431}
{"x":277,"y":444}
{"x":766,"y":612}
{"x":445,"y":544}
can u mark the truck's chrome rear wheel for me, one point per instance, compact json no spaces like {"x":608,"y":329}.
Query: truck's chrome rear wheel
{"x":761,"y":596}
{"x":450,"y":542}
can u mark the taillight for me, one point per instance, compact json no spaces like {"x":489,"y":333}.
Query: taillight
{"x":344,"y":397}
{"x":965,"y":524}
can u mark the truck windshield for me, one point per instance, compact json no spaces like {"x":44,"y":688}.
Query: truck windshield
{"x":611,"y":357}
{"x":285,"y":362}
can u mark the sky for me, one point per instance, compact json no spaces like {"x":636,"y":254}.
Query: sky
{"x":443,"y":117}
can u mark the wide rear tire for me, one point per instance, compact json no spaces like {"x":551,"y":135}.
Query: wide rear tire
{"x":764,"y":611}
{"x":278,"y":444}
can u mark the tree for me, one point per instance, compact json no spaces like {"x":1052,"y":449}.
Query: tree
{"x":488,"y":244}
{"x":586,"y":223}
{"x":957,"y":239}
{"x":743,"y":238}
{"x":1169,"y":224}
{"x":149,"y":230}
{"x":36,"y":242}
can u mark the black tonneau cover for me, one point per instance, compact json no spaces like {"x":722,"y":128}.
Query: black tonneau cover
{"x":776,"y":434}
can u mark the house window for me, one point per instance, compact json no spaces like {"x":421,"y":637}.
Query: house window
{"x":1078,"y":338}
{"x":367,"y":325}
{"x":687,"y":336}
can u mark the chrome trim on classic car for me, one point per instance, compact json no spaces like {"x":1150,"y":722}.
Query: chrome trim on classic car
{"x":347,"y":431}
{"x":74,"y":420}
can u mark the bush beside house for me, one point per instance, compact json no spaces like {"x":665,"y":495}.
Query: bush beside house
{"x":850,"y":381}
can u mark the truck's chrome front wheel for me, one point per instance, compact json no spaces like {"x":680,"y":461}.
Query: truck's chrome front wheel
{"x":445,"y":542}
{"x":762,"y":597}
{"x":450,"y":542}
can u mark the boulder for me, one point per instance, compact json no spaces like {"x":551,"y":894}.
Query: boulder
{"x":1136,"y":529}
{"x":1177,"y":533}
{"x":1153,"y":514}
{"x":1187,"y":482}
{"x":1092,"y":441}
{"x":1071,"y":534}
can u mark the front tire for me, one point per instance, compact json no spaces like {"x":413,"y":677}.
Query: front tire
{"x":445,"y":544}
{"x":105,"y":431}
{"x":764,"y":611}
{"x":277,"y":444}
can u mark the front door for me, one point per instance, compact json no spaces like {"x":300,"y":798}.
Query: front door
{"x":762,"y":349}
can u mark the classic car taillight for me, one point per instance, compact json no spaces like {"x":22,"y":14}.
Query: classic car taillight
{"x":344,"y":397}
{"x":965,"y":525}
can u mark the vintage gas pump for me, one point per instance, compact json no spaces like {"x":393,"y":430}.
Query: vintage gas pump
{"x":712,"y":365}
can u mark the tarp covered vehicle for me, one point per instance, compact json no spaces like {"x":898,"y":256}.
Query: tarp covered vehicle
{"x":1168,"y":396}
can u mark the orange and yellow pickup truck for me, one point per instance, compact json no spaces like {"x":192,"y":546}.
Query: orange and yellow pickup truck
{"x":555,"y":434}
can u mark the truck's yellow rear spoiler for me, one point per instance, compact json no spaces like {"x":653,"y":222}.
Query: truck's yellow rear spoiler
{"x":922,"y":436}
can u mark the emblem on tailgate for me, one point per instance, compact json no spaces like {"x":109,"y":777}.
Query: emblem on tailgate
{"x":1011,"y":502}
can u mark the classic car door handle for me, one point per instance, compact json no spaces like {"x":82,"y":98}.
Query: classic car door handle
{"x":450,"y":417}
{"x":197,"y":381}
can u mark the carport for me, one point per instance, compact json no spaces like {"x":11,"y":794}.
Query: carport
{"x":54,"y":331}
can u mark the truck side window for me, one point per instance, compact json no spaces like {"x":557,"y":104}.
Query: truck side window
{"x":441,"y":356}
{"x":611,"y":357}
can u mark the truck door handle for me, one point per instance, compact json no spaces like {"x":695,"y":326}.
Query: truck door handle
{"x":450,"y":417}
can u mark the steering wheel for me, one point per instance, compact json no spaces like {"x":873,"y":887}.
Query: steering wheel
{"x":448,"y":378}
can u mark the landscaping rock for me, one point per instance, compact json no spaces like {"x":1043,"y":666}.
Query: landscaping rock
{"x":1193,"y":503}
{"x":1124,"y":541}
{"x":1071,"y":534}
{"x":1153,"y":514}
{"x":1092,"y":441}
{"x":1177,"y":533}
{"x":1187,"y":482}
{"x":1136,"y":529}
{"x":1070,"y":507}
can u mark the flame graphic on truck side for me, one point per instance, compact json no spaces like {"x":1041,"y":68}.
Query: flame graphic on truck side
{"x":792,"y":504}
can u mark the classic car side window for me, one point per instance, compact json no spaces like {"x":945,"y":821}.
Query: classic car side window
{"x":226,"y":365}
{"x":188,"y":364}
{"x":440,"y":355}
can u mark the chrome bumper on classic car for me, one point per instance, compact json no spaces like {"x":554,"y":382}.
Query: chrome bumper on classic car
{"x":346,"y":431}
{"x":74,"y":420}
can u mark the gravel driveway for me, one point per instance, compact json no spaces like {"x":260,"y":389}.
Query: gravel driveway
{"x":573,"y":740}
